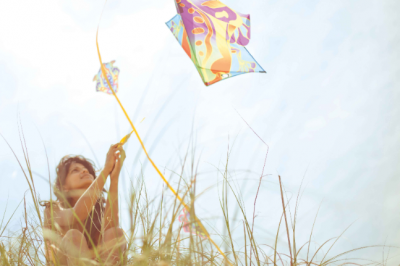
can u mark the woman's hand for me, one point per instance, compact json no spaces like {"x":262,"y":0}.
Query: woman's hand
{"x":111,"y":158}
{"x":119,"y":161}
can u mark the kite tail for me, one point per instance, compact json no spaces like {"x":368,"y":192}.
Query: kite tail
{"x":148,"y":157}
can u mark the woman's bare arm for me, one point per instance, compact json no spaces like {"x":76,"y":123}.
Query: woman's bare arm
{"x":111,"y":215}
{"x":111,"y":218}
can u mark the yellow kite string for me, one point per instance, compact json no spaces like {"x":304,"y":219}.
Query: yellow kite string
{"x":103,"y":71}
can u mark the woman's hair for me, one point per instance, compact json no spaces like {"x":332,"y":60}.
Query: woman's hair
{"x":93,"y":221}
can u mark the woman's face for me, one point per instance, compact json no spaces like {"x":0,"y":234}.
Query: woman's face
{"x":78,"y":177}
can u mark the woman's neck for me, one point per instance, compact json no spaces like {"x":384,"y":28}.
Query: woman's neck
{"x":73,"y":201}
{"x":74,"y":196}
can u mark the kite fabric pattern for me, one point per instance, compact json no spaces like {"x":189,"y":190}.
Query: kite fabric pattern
{"x":190,"y":226}
{"x":112,"y":75}
{"x":213,"y":36}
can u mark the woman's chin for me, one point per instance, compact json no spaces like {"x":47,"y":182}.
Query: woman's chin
{"x":87,"y":178}
{"x":86,"y":185}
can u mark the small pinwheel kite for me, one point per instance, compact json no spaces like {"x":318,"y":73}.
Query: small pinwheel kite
{"x":213,"y":36}
{"x":112,"y":75}
{"x":190,"y":226}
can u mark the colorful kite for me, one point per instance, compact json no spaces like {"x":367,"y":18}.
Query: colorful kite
{"x":190,"y":226}
{"x":112,"y":75}
{"x":213,"y":36}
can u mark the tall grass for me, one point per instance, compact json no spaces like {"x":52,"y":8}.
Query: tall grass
{"x":156,"y":237}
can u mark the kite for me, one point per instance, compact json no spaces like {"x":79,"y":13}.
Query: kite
{"x":190,"y":226}
{"x":112,"y":76}
{"x":213,"y":36}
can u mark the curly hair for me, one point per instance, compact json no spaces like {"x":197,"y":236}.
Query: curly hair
{"x":94,"y":219}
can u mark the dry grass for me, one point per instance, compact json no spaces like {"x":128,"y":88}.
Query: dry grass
{"x":156,"y":237}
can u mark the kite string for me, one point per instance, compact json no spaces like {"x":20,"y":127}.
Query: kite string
{"x":134,"y":129}
{"x":148,"y":157}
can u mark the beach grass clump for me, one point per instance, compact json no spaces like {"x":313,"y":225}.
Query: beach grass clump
{"x":158,"y":235}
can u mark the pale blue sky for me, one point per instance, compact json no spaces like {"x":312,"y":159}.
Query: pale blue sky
{"x":328,"y":107}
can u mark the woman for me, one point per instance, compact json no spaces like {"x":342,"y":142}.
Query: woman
{"x":78,"y":226}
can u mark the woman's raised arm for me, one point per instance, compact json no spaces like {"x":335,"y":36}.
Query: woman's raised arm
{"x":111,"y":216}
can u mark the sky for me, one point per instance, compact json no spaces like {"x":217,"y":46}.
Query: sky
{"x":328,"y":109}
